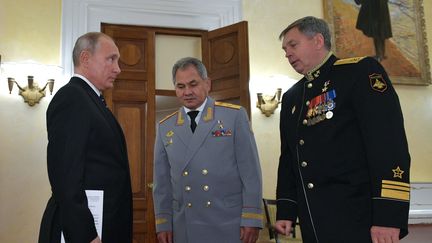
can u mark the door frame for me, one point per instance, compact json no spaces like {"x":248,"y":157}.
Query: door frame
{"x":81,"y":16}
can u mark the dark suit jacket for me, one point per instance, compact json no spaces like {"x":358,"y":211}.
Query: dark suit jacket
{"x":86,"y":151}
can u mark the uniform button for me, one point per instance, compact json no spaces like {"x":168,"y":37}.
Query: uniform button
{"x":189,"y":205}
{"x":310,"y":85}
{"x":310,"y":185}
{"x":307,"y":102}
{"x":187,"y":188}
{"x":206,"y":188}
{"x":301,"y":142}
{"x":185,"y":173}
{"x":208,"y":204}
{"x":304,"y":122}
{"x":304,"y":164}
{"x":204,"y":172}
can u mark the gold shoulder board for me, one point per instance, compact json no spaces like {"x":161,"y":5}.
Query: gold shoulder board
{"x":167,"y":117}
{"x":228,"y":105}
{"x":348,"y":60}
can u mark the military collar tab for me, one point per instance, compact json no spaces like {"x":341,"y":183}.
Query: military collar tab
{"x":180,"y":119}
{"x":315,"y":72}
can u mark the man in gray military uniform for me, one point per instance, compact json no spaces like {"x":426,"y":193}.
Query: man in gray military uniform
{"x":207,"y":175}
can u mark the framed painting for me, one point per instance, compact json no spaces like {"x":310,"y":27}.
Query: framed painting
{"x":392,"y":31}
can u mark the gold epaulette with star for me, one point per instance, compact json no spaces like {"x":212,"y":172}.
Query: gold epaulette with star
{"x":348,"y":60}
{"x":167,"y":117}
{"x":228,"y":105}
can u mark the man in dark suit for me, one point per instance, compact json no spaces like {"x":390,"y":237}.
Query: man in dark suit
{"x":207,"y":175}
{"x":87,"y":151}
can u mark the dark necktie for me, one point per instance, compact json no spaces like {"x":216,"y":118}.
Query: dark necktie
{"x":193,"y":115}
{"x":103,"y":100}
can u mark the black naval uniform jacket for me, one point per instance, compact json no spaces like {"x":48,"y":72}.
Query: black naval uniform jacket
{"x":344,"y":164}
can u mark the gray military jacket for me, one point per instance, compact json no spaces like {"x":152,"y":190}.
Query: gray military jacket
{"x":207,"y":184}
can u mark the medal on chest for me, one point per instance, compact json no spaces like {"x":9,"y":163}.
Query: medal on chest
{"x":321,"y":107}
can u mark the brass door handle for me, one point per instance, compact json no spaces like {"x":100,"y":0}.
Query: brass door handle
{"x":150,"y":185}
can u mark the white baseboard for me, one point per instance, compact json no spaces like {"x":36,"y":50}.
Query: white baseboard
{"x":421,"y":203}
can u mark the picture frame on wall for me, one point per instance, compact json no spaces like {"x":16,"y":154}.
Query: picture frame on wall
{"x":392,"y":31}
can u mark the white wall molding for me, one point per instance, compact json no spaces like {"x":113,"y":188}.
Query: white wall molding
{"x":421,"y":203}
{"x":81,"y":16}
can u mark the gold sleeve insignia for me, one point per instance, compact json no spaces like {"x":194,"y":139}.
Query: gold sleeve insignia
{"x":228,"y":105}
{"x":377,"y":82}
{"x":348,"y":60}
{"x":161,"y":221}
{"x":167,"y":117}
{"x":395,"y":190}
{"x":252,"y":216}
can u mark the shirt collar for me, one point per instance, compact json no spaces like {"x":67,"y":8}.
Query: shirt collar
{"x":199,"y":109}
{"x":88,"y":82}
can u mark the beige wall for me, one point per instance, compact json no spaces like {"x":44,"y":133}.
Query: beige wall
{"x":30,"y":34}
{"x":31,"y":30}
{"x":268,"y":66}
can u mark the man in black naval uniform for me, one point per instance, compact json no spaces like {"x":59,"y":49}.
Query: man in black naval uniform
{"x":344,"y":164}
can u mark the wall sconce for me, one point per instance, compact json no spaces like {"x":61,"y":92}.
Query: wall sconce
{"x":268,"y":104}
{"x":32,"y":94}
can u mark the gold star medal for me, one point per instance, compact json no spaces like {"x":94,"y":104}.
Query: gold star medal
{"x":326,"y":84}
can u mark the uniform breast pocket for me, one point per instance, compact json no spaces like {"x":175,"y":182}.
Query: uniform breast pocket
{"x":219,"y":144}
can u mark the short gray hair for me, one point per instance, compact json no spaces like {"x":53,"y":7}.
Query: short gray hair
{"x":186,"y":62}
{"x":310,"y":26}
{"x":86,"y":42}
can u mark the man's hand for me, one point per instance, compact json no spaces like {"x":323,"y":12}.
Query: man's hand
{"x":384,"y":234}
{"x":96,"y":240}
{"x":283,"y":227}
{"x":165,"y":237}
{"x":249,"y":234}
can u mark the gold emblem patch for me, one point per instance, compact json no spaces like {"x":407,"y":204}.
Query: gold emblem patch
{"x":377,"y":82}
{"x":397,"y":172}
